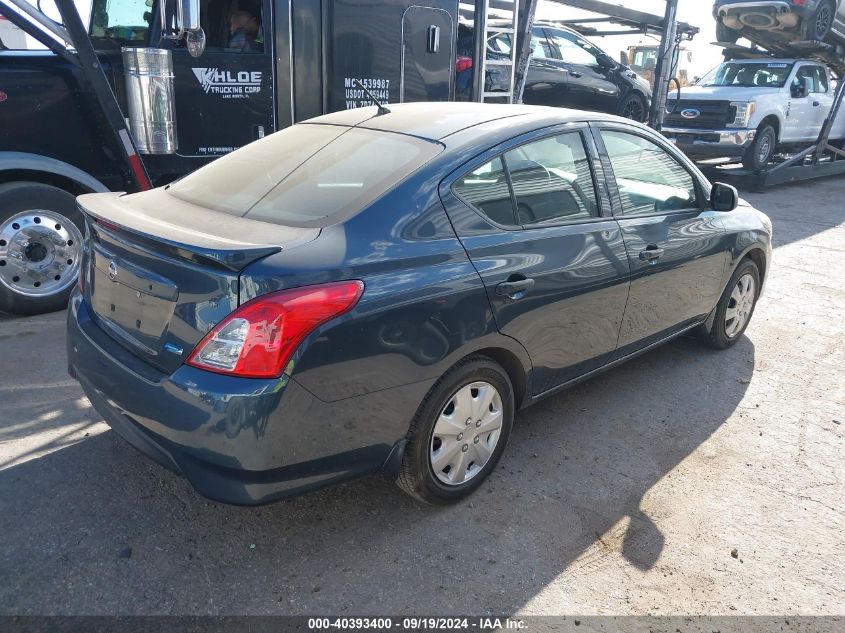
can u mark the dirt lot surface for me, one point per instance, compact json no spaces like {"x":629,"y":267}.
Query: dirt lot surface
{"x":687,"y":481}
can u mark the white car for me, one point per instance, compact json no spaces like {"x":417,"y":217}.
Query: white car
{"x":750,"y":109}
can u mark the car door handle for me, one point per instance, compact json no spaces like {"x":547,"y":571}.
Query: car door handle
{"x":651,"y":253}
{"x":514,"y":288}
{"x":575,"y":74}
{"x":816,"y":104}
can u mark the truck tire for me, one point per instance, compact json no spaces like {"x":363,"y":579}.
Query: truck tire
{"x":40,"y":247}
{"x":758,"y":155}
{"x":818,"y":25}
{"x":726,"y":34}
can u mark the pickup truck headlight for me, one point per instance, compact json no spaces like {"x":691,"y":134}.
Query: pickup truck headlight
{"x":744,"y":111}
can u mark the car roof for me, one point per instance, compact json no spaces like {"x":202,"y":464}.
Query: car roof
{"x":771,"y":60}
{"x":438,"y":120}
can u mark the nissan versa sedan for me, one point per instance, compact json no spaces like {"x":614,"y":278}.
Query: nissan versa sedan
{"x":370,"y":292}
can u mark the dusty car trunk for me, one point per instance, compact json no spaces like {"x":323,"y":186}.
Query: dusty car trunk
{"x":159,"y":272}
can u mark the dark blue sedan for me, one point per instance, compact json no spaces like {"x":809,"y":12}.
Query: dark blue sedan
{"x":371,"y":292}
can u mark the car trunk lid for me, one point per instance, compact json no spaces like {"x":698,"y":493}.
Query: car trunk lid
{"x":160,"y":272}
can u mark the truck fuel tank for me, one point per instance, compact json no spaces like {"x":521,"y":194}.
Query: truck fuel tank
{"x":150,"y":99}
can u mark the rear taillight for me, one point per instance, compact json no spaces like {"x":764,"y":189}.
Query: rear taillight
{"x":258,"y":339}
{"x":463,"y":63}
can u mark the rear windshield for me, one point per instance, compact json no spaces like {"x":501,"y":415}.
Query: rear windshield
{"x":306,"y":175}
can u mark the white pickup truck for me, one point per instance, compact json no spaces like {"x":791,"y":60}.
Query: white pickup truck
{"x":753,"y":108}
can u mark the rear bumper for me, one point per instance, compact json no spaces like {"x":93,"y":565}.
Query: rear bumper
{"x":715,"y":143}
{"x":239,"y":441}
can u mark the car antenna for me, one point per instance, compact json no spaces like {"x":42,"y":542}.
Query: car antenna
{"x":382,"y":109}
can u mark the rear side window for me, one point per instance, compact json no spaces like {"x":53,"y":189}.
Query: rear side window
{"x":306,"y":175}
{"x":486,"y":188}
{"x":552,"y":181}
{"x":650,"y":180}
{"x":545,"y":182}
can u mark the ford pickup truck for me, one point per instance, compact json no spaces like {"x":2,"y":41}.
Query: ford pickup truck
{"x":752,"y":109}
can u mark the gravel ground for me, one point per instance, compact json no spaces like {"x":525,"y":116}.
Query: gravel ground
{"x":685,"y":482}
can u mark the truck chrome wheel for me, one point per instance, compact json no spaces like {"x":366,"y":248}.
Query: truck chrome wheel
{"x":40,"y":253}
{"x":466,"y":433}
{"x":740,"y":305}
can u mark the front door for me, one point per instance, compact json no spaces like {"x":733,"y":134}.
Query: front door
{"x":224,"y":97}
{"x":677,"y":250}
{"x":588,"y":83}
{"x":428,"y":55}
{"x":552,"y":261}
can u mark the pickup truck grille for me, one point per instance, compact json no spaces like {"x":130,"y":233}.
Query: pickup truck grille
{"x":715,"y":115}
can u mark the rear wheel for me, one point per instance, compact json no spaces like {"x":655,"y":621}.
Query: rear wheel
{"x":760,"y":152}
{"x":818,"y":25}
{"x":634,"y":107}
{"x":459,"y":432}
{"x":40,"y":247}
{"x":736,"y":306}
{"x":726,"y":34}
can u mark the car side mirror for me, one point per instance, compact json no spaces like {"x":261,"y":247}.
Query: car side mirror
{"x":802,"y":89}
{"x":723,"y":197}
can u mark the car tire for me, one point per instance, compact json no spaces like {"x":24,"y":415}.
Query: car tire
{"x":634,"y":107}
{"x":41,"y":232}
{"x":760,"y":152}
{"x":818,"y":25}
{"x":475,"y":390}
{"x":735,"y":307}
{"x":725,"y":34}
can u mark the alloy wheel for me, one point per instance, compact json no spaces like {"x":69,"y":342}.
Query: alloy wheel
{"x":466,"y":433}
{"x":40,"y":253}
{"x":740,"y":305}
{"x":823,"y":21}
{"x":633,"y":110}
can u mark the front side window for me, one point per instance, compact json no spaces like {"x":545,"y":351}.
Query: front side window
{"x":486,"y":189}
{"x":574,"y":50}
{"x":650,"y":180}
{"x":552,"y":181}
{"x":817,"y":77}
{"x":306,"y":175}
{"x":234,"y":27}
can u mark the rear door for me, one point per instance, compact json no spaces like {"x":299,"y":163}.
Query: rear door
{"x":428,"y":55}
{"x":224,"y":97}
{"x":677,"y":249}
{"x":551,"y":257}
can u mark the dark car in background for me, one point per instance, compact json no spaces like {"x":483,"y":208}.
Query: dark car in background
{"x":365,"y":292}
{"x":566,"y":71}
{"x":777,"y":23}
